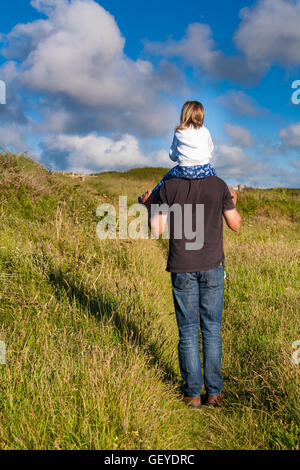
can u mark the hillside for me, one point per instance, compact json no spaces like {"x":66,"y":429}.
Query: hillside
{"x":90,"y":329}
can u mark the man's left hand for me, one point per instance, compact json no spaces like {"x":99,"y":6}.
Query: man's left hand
{"x":146,"y":196}
{"x":233,"y":195}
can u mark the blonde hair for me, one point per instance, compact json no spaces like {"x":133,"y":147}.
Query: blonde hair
{"x":192,"y":114}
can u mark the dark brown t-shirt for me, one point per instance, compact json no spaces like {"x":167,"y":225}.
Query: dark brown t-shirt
{"x":214,"y":195}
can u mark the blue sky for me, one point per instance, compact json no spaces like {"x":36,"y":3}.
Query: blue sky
{"x":95,"y":86}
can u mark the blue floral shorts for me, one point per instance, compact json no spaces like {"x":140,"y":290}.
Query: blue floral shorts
{"x":186,"y":172}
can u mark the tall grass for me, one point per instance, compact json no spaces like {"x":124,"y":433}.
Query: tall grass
{"x":91,"y":333}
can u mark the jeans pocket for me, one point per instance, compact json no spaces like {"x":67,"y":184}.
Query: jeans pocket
{"x":180,"y":281}
{"x":215,"y":277}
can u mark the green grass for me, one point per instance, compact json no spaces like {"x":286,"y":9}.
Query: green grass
{"x":90,"y":327}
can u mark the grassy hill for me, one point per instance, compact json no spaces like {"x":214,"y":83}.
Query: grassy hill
{"x":91,"y":333}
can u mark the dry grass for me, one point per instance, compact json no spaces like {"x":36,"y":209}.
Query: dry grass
{"x":91,"y":333}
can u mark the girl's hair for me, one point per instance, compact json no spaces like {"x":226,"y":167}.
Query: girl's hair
{"x":192,"y":114}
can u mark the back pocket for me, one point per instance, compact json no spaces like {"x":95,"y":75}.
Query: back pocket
{"x":215,"y":277}
{"x":180,"y":281}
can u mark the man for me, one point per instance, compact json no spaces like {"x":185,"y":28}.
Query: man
{"x":197,"y":274}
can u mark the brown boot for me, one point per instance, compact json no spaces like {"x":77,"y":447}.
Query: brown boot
{"x":192,"y":402}
{"x":215,"y":400}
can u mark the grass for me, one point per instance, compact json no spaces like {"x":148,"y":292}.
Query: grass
{"x":91,"y":334}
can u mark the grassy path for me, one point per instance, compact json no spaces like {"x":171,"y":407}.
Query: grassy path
{"x":91,"y":333}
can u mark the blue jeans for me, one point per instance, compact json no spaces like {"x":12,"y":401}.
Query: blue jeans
{"x":199,"y":294}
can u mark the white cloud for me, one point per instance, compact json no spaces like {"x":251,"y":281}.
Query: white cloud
{"x":296,"y":164}
{"x":282,"y":177}
{"x":198,"y":48}
{"x":75,"y":59}
{"x":240,"y":104}
{"x":95,"y":153}
{"x":69,"y":72}
{"x":239,"y":135}
{"x":291,"y":135}
{"x":269,"y":33}
{"x":232,"y":161}
{"x":237,"y":167}
{"x":13,"y":137}
{"x":47,"y":6}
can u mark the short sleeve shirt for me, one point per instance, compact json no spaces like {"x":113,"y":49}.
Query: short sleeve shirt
{"x":196,"y":207}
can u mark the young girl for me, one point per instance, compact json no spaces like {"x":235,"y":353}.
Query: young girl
{"x":191,"y":148}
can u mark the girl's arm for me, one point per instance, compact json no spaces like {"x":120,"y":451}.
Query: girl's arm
{"x":210,"y":143}
{"x":172,"y":153}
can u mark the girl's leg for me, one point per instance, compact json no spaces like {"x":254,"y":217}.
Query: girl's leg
{"x":186,"y":172}
{"x":155,"y":191}
{"x":169,"y":175}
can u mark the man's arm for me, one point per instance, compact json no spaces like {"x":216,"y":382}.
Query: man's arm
{"x":232,"y":216}
{"x":158,"y":222}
